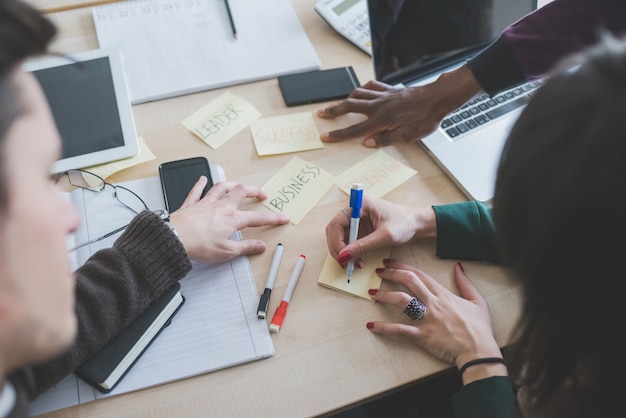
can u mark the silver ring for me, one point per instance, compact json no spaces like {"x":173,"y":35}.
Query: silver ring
{"x":345,"y":212}
{"x":415,"y":309}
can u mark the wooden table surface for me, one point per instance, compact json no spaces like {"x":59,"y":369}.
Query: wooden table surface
{"x":326,"y":360}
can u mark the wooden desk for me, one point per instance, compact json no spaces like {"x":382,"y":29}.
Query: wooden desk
{"x":326,"y":360}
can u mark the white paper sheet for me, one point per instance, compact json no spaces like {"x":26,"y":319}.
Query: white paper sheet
{"x":175,"y":47}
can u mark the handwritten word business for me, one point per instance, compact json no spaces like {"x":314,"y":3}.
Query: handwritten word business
{"x":290,"y":191}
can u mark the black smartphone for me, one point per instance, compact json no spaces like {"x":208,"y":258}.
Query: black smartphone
{"x":317,"y":86}
{"x":178,"y":177}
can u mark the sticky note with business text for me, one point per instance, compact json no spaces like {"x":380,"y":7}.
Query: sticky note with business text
{"x":297,"y":188}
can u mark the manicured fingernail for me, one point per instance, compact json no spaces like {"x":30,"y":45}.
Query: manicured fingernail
{"x":458,"y":263}
{"x":379,"y":270}
{"x":370,"y":325}
{"x":386,"y":261}
{"x":345,"y":257}
{"x":324,"y":137}
{"x":372,"y":291}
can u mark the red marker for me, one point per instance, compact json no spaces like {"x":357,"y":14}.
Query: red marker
{"x":281,"y":311}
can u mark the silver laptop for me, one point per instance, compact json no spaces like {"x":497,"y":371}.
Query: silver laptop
{"x":414,"y":41}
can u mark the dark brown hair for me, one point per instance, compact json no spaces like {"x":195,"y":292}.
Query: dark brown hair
{"x":559,"y":212}
{"x":24,"y":32}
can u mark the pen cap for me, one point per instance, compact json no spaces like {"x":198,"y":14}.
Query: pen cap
{"x":263,"y":304}
{"x":279,"y":316}
{"x":356,"y":196}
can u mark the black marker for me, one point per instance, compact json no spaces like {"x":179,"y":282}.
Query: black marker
{"x":271,"y":277}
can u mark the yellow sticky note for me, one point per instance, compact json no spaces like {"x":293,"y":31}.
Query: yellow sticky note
{"x":379,"y":173}
{"x":108,"y":169}
{"x":221,"y":119}
{"x":296,"y":188}
{"x":334,"y":277}
{"x":287,"y":133}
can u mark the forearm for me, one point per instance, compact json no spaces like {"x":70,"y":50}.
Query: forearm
{"x":529,"y":48}
{"x":559,"y":28}
{"x":465,"y":231}
{"x":114,"y":286}
{"x":486,"y":398}
{"x":454,"y":88}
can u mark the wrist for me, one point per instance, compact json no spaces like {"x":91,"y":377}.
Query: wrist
{"x":482,"y":368}
{"x":481,"y":371}
{"x":426,"y":223}
{"x":165,"y":216}
{"x":457,"y":86}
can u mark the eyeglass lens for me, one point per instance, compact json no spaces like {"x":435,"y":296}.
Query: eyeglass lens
{"x":90,"y":181}
{"x":86,"y":180}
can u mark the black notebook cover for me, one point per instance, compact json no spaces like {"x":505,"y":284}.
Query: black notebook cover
{"x":101,"y":370}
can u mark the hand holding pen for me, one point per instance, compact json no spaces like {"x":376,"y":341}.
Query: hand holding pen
{"x":382,"y":224}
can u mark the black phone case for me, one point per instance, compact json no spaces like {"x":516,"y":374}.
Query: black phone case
{"x":317,"y":86}
{"x":178,"y":177}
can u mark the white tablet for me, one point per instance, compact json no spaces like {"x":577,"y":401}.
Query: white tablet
{"x":90,"y":104}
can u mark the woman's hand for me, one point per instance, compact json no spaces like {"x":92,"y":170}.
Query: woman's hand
{"x":382,"y":224}
{"x":455,"y":329}
{"x":206,"y":225}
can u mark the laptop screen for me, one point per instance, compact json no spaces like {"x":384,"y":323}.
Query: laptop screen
{"x":415,"y":38}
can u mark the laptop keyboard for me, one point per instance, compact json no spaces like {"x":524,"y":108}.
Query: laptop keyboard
{"x":482,"y":109}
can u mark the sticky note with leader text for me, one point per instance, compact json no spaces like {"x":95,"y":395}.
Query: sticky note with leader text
{"x":379,"y":173}
{"x":297,"y":188}
{"x":286,"y":133}
{"x":221,"y":119}
{"x":363,"y":279}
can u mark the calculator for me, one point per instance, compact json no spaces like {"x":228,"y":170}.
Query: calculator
{"x":349,"y":18}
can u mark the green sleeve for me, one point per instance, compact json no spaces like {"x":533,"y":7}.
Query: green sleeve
{"x":492,"y":397}
{"x":465,"y":231}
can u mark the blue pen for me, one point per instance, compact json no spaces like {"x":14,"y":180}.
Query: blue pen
{"x":356,"y":201}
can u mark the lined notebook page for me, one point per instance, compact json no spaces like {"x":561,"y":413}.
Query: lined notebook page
{"x":216,"y":327}
{"x":175,"y":47}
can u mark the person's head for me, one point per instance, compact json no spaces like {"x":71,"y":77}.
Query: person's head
{"x":37,"y":317}
{"x":560,"y":215}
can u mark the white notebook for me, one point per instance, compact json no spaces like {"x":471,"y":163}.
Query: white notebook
{"x":175,"y":47}
{"x":217,"y":326}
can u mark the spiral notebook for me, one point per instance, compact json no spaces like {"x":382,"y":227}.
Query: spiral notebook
{"x":176,"y":47}
{"x":217,"y":326}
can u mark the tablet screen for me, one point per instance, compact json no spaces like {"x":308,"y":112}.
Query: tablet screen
{"x":90,"y":106}
{"x":71,"y":91}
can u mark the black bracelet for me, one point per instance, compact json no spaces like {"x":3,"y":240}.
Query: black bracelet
{"x":480,"y":361}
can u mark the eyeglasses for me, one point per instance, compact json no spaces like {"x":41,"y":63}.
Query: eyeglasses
{"x":89,"y":181}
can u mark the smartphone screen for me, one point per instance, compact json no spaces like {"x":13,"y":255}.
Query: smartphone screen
{"x":178,"y":177}
{"x":317,"y":86}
